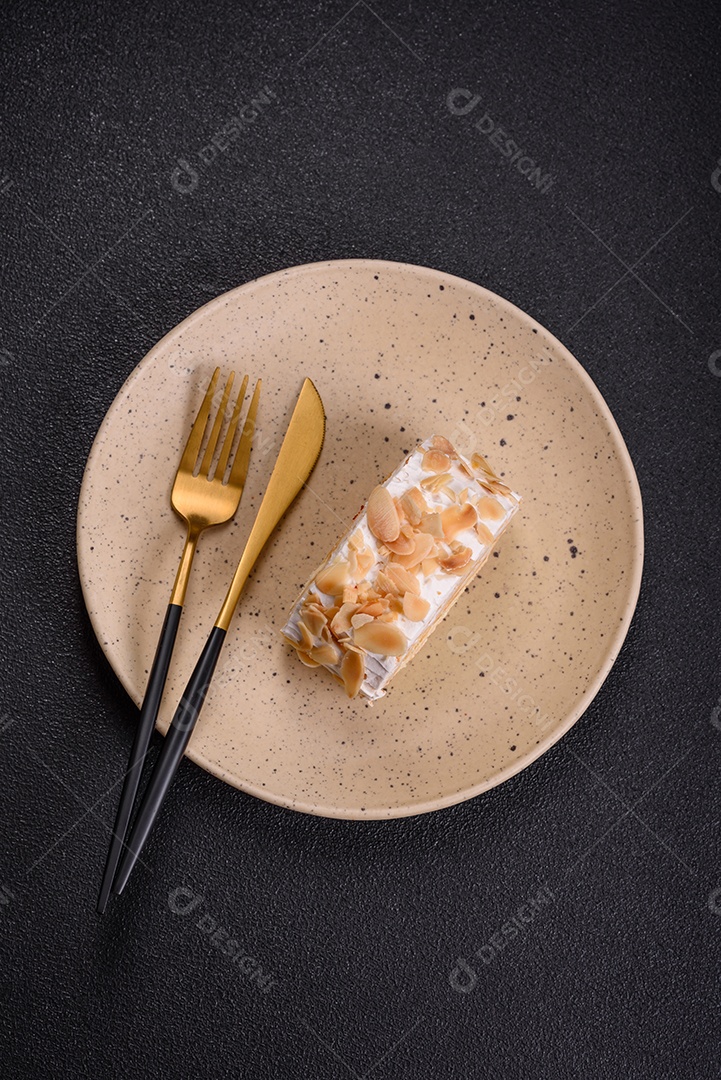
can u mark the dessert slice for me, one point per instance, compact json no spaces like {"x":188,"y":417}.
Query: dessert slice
{"x":412,"y":550}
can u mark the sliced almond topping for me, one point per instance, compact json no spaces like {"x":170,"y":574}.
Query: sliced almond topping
{"x":366,"y":559}
{"x":382,"y":638}
{"x":403,"y":579}
{"x":405,"y":543}
{"x":341,"y":622}
{"x":424,"y":546}
{"x":350,"y":646}
{"x":479,"y":462}
{"x":392,"y":615}
{"x":359,"y":619}
{"x":315,"y":620}
{"x":438,"y":442}
{"x":382,"y":515}
{"x":490,"y":509}
{"x":435,"y":461}
{"x":375,"y":608}
{"x":435,"y":483}
{"x":307,"y":660}
{"x":457,"y":560}
{"x":297,"y":645}
{"x":352,"y":672}
{"x":457,"y":518}
{"x":307,"y":639}
{"x":414,"y":505}
{"x":349,"y":594}
{"x":325,"y":654}
{"x":415,"y":608}
{"x":396,"y":605}
{"x":432,"y":524}
{"x":483,"y":533}
{"x":356,"y":540}
{"x":333,"y":578}
{"x":429,"y":566}
{"x":384,"y":583}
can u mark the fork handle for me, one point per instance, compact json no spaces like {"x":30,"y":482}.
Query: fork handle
{"x":141,"y":741}
{"x":174,"y":745}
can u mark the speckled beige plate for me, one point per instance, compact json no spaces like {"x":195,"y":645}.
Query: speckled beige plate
{"x":397,"y":352}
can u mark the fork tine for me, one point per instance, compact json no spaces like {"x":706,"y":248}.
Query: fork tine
{"x":232,"y":428}
{"x":192,"y":447}
{"x":215,"y":431}
{"x":239,"y":470}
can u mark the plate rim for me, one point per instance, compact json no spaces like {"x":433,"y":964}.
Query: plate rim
{"x":616,"y":640}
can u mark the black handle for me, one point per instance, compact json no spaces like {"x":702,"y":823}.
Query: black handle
{"x":146,"y":723}
{"x":176,"y":740}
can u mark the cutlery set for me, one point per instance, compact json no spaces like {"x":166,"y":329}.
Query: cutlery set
{"x":207,"y":491}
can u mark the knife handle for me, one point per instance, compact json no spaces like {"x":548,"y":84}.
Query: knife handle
{"x":174,"y":745}
{"x":141,"y":741}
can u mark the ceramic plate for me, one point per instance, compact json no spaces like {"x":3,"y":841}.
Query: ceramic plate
{"x":397,"y":352}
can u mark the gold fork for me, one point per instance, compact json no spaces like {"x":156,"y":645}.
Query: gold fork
{"x":202,"y":496}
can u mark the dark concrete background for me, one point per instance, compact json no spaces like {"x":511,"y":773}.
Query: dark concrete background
{"x":359,"y":926}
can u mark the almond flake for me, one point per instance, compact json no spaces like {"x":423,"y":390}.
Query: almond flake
{"x":438,"y":442}
{"x":382,"y":515}
{"x":414,"y":505}
{"x":297,"y":645}
{"x":384,"y":583}
{"x":381,"y":638}
{"x":424,"y":546}
{"x":333,"y":578}
{"x":325,"y":654}
{"x":432,"y":524}
{"x":457,"y":560}
{"x":403,"y":580}
{"x":483,"y":533}
{"x":405,"y":543}
{"x":352,"y":671}
{"x":435,"y":483}
{"x":359,"y":619}
{"x":366,"y":559}
{"x":490,"y":509}
{"x":435,"y":461}
{"x":306,"y":659}
{"x":341,"y":622}
{"x":374,"y":608}
{"x":457,"y":519}
{"x":478,"y":462}
{"x":415,"y":608}
{"x":315,"y":620}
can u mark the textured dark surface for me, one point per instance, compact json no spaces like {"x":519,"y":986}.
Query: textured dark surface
{"x":359,"y":926}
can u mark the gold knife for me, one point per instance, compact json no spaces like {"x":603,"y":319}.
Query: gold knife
{"x":298,"y":454}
